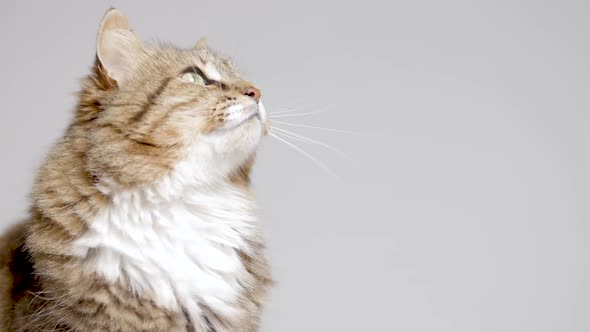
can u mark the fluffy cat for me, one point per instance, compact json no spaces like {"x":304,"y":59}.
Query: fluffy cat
{"x":142,"y":218}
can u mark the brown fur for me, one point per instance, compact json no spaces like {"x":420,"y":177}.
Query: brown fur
{"x":131,"y":135}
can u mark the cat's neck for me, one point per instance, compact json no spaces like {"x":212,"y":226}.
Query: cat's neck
{"x":177,"y":242}
{"x":177,"y":245}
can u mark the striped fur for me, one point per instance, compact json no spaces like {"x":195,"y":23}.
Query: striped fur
{"x":128,"y":135}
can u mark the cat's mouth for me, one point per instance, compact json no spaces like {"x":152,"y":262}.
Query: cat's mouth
{"x":238,"y":115}
{"x":250,"y":117}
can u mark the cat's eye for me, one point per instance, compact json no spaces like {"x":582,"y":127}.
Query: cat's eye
{"x":193,"y":77}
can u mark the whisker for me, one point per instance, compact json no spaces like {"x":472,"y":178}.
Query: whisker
{"x":288,"y":110}
{"x":320,"y":128}
{"x":316,"y":111}
{"x":309,"y":140}
{"x":310,"y":157}
{"x":295,"y":114}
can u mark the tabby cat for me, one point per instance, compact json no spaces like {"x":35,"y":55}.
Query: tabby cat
{"x":142,"y":218}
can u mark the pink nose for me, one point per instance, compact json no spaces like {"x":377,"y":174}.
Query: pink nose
{"x":253,"y":93}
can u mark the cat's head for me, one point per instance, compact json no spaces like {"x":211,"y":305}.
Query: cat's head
{"x":149,"y":109}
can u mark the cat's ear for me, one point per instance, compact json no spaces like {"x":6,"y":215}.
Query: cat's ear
{"x":202,"y":43}
{"x":117,"y":46}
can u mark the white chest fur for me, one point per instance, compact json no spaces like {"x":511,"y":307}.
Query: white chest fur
{"x":179,"y":249}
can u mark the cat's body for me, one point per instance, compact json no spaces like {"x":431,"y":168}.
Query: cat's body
{"x":142,"y":217}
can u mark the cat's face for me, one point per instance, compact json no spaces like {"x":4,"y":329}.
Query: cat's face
{"x":166,"y":106}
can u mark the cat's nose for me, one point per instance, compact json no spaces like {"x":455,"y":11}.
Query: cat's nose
{"x":253,"y":93}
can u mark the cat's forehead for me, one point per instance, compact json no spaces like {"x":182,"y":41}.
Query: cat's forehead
{"x":215,"y":66}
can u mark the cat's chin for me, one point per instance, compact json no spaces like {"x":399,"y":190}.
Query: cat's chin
{"x":246,"y":134}
{"x":241,"y":115}
{"x":248,"y":127}
{"x":245,"y":122}
{"x":238,"y":142}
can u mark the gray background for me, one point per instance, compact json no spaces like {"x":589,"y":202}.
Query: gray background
{"x":464,"y":205}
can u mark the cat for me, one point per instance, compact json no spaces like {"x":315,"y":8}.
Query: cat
{"x":142,"y":218}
